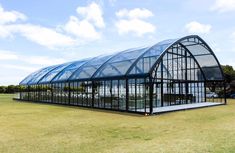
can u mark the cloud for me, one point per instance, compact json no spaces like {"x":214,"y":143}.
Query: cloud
{"x":134,"y":25}
{"x":19,"y":67}
{"x":10,"y":16}
{"x":81,"y":29}
{"x":233,"y":35}
{"x":48,"y":37}
{"x":16,"y":66}
{"x":135,"y":13}
{"x":93,"y":13}
{"x":43,"y":60}
{"x":232,"y":38}
{"x":10,"y":56}
{"x":131,"y":21}
{"x":196,"y":27}
{"x":5,"y":32}
{"x":87,"y":23}
{"x":7,"y":55}
{"x":223,"y":6}
{"x":41,"y":35}
{"x":44,"y":36}
{"x":71,"y":34}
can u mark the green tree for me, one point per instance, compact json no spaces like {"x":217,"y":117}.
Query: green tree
{"x":2,"y":89}
{"x":11,"y":89}
{"x":229,"y":73}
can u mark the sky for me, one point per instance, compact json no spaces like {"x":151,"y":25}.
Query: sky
{"x":36,"y":34}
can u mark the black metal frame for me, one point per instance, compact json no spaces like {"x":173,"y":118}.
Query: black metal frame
{"x":175,"y":78}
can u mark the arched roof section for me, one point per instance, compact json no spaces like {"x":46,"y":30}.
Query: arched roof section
{"x":49,"y":76}
{"x":69,"y":70}
{"x":119,"y":65}
{"x":30,"y":76}
{"x":138,"y":61}
{"x":198,"y":48}
{"x":88,"y":69}
{"x":34,"y":77}
{"x":98,"y":64}
{"x":144,"y":63}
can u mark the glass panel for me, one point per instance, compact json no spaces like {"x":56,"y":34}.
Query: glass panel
{"x":150,"y":57}
{"x":87,"y":70}
{"x":206,"y":61}
{"x":122,"y":94}
{"x":68,"y":71}
{"x":29,"y":77}
{"x":53,"y":73}
{"x":120,"y":64}
{"x":212,"y":73}
{"x":140,"y":95}
{"x":42,"y":73}
{"x":197,"y":49}
{"x":132,"y":95}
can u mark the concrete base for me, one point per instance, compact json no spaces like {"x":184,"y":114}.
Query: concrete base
{"x":184,"y":107}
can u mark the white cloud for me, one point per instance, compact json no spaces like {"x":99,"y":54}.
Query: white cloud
{"x":223,"y":6}
{"x":233,"y":35}
{"x":87,"y":23}
{"x":41,"y":35}
{"x":44,"y":36}
{"x":81,"y":29}
{"x":134,"y":25}
{"x":135,"y":13}
{"x":10,"y":16}
{"x":19,"y":67}
{"x":93,"y":13}
{"x":5,"y":31}
{"x":131,"y":21}
{"x":7,"y":55}
{"x":10,"y":56}
{"x":42,"y":60}
{"x":71,"y":34}
{"x":196,"y":27}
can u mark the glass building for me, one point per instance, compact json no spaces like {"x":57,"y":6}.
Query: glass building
{"x":171,"y":72}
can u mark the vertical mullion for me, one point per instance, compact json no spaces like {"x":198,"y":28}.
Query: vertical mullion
{"x":111,"y":93}
{"x":145,"y":102}
{"x":162,"y":83}
{"x":118,"y":94}
{"x":127,"y":95}
{"x":104,"y":93}
{"x":135,"y":96}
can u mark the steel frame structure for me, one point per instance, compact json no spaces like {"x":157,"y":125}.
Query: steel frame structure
{"x":172,"y":72}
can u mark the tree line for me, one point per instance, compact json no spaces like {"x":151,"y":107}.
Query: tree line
{"x":10,"y":89}
{"x":229,"y":73}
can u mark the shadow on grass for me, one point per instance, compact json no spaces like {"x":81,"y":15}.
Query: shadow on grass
{"x":118,"y":112}
{"x":92,"y":109}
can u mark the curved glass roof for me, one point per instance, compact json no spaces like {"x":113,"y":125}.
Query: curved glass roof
{"x":87,"y":70}
{"x":69,"y":70}
{"x":53,"y":73}
{"x":146,"y":61}
{"x":35,"y":77}
{"x":139,"y":61}
{"x":119,"y":64}
{"x":29,"y":77}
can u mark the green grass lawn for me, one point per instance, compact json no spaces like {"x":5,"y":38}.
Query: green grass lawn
{"x":41,"y":128}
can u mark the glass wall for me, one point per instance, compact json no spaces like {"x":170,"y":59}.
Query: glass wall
{"x":171,"y":72}
{"x":178,"y":79}
{"x":138,"y":95}
{"x":110,"y":94}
